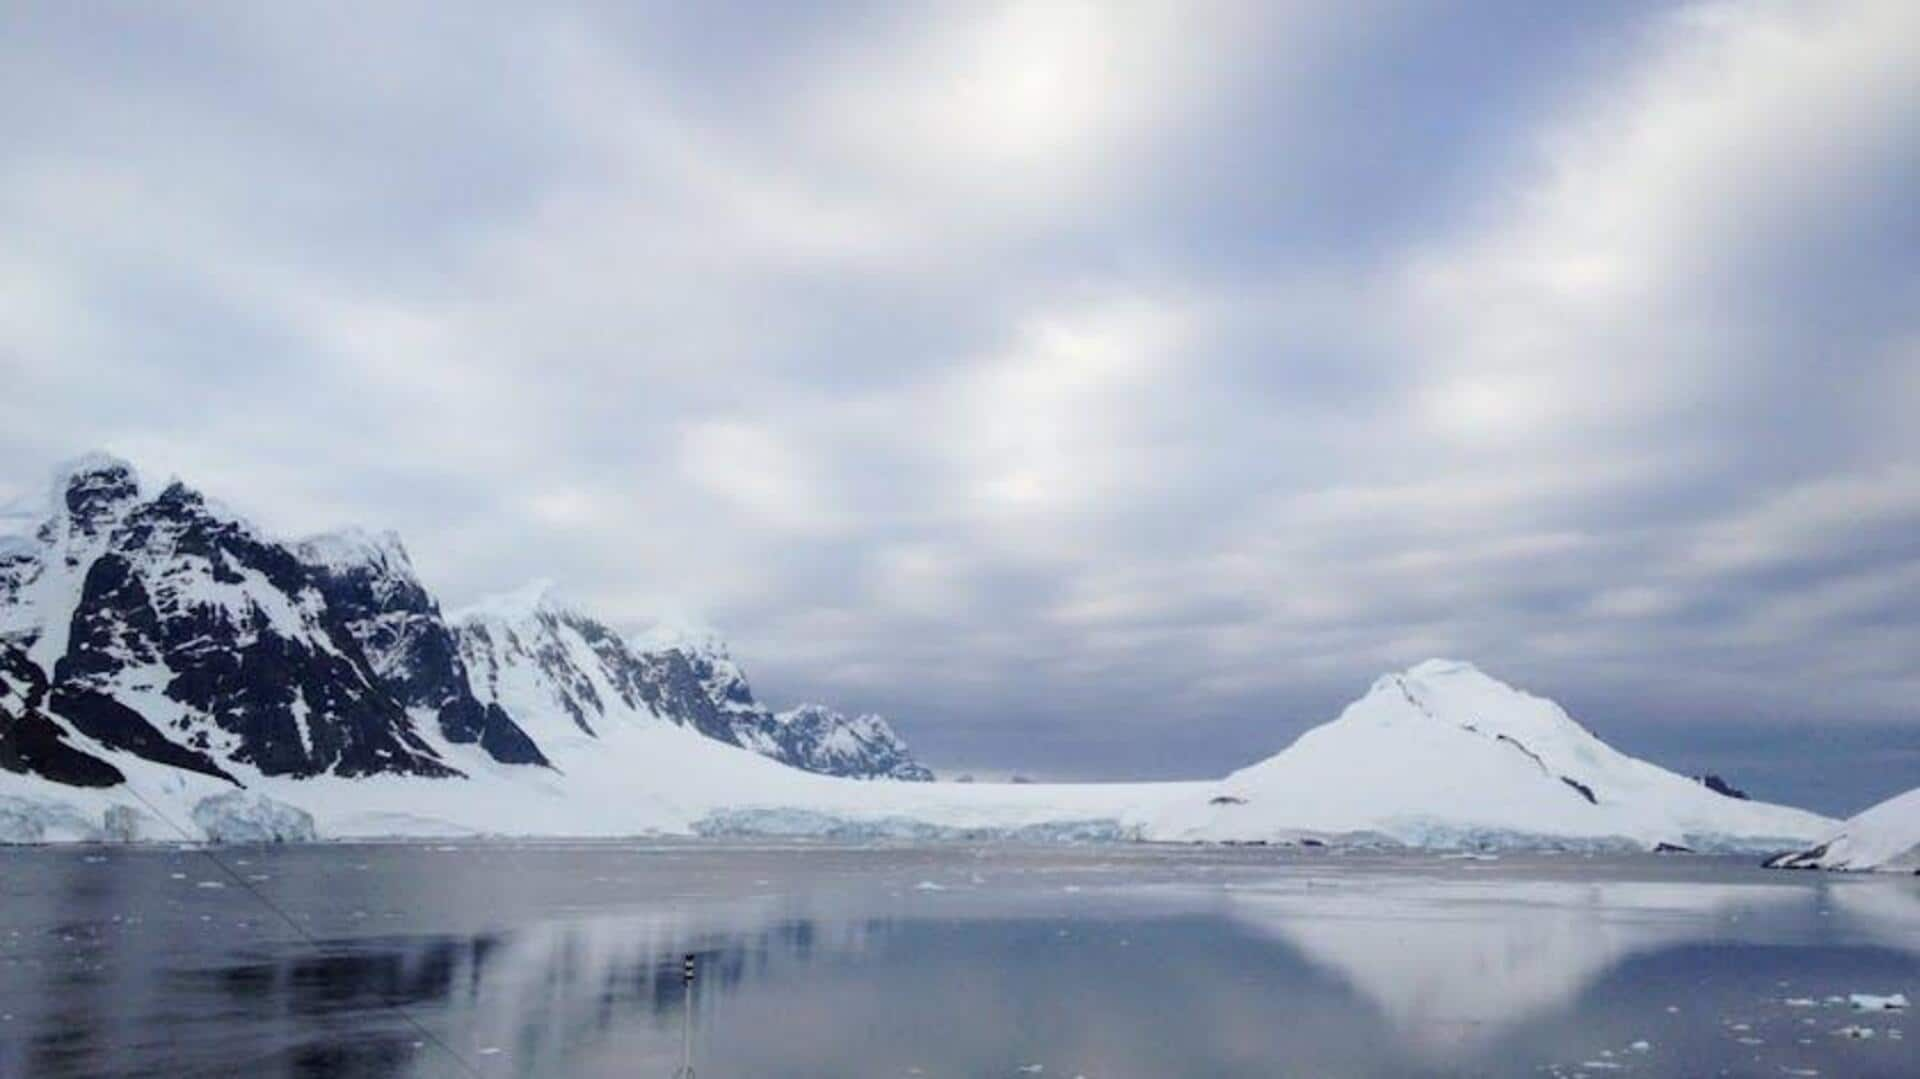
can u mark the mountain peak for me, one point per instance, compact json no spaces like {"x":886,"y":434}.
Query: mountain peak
{"x":91,"y":467}
{"x":353,"y":546}
{"x":1429,"y":680}
{"x":688,"y":636}
{"x":1442,"y":668}
{"x":1458,"y":693}
{"x":90,"y":489}
{"x":537,"y":596}
{"x":179,"y":493}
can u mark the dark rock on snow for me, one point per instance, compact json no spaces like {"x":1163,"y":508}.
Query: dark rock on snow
{"x":169,"y":629}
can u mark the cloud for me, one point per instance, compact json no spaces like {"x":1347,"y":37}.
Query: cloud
{"x":759,"y":475}
{"x":1099,"y":389}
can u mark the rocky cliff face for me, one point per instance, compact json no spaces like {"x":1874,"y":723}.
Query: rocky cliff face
{"x":369,"y":585}
{"x":172,"y":630}
{"x":33,"y":744}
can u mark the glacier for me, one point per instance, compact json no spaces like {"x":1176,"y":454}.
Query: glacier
{"x":237,"y":817}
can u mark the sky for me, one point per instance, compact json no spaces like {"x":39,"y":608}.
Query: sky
{"x":1098,"y":390}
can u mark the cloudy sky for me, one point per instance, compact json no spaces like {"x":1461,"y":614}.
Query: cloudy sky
{"x":1098,"y":389}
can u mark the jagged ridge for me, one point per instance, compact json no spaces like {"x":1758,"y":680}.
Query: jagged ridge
{"x":169,"y":629}
{"x":536,"y":655}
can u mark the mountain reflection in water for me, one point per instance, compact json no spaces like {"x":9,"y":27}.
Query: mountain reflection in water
{"x":535,"y":960}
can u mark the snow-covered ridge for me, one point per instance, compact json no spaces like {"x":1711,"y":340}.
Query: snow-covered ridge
{"x":159,"y":651}
{"x":1884,"y":838}
{"x":827,"y":741}
{"x":542,"y":658}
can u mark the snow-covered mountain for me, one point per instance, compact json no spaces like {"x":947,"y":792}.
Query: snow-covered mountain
{"x":1442,"y":754}
{"x":168,"y":629}
{"x":810,"y":736}
{"x":573,"y":677}
{"x":1885,"y":838}
{"x":159,"y":655}
{"x":820,"y":739}
{"x":536,"y":656}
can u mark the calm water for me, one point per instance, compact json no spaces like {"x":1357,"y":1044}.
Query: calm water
{"x":954,"y":961}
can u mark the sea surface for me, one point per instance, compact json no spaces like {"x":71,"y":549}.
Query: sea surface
{"x":556,"y":959}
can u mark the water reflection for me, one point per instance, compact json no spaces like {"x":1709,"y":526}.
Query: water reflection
{"x":1071,"y":962}
{"x":1452,"y":964}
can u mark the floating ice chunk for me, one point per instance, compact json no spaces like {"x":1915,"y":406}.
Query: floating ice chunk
{"x":1851,"y":1031}
{"x":1868,"y":1002}
{"x":1801,"y":1002}
{"x":929,"y":886}
{"x":1641,"y":1047}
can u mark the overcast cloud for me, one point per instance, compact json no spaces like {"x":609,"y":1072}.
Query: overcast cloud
{"x":1099,"y":390}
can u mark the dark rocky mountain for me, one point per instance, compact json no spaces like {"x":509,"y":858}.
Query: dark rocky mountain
{"x":168,"y":629}
{"x":369,"y":586}
{"x":33,"y":744}
{"x":197,"y":643}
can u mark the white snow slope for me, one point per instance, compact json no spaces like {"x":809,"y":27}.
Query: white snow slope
{"x":1443,"y":755}
{"x":1438,"y":756}
{"x":1886,"y":838}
